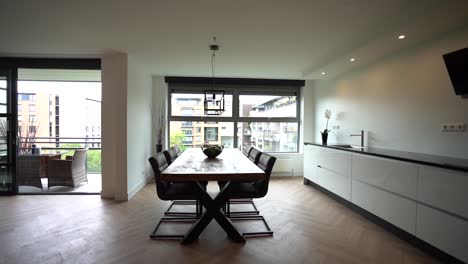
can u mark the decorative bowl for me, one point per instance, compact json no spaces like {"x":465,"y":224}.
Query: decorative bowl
{"x":212,"y":151}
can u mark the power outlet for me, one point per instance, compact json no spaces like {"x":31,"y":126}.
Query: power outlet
{"x":454,"y":127}
{"x":336,"y":127}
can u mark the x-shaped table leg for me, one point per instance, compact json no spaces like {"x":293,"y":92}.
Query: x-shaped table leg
{"x":213,"y":211}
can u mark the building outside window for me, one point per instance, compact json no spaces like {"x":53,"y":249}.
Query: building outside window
{"x":26,"y":97}
{"x":211,"y":134}
{"x":266,"y":118}
{"x":32,"y":108}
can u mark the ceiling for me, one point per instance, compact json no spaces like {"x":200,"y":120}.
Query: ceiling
{"x":258,"y":39}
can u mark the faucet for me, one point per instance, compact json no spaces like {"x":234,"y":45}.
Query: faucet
{"x":360,"y":135}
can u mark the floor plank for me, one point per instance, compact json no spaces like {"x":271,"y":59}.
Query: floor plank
{"x":309,"y":228}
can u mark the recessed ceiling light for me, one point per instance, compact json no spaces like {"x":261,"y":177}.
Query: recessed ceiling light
{"x":323,"y":73}
{"x":352,"y":59}
{"x":401,"y":37}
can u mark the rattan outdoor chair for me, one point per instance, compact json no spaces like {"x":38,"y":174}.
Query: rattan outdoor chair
{"x":69,"y":172}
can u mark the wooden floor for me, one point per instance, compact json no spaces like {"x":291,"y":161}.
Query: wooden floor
{"x":309,"y":228}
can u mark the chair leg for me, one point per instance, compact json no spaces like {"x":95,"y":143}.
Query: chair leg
{"x":182,"y":202}
{"x":254,"y":217}
{"x":242,"y":201}
{"x":154,"y":234}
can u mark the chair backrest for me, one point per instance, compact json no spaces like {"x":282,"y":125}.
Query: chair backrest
{"x":266,"y":163}
{"x":254,"y":155}
{"x":159,"y":164}
{"x":246,"y":150}
{"x":171,"y":155}
{"x":177,"y":150}
{"x":80,"y":156}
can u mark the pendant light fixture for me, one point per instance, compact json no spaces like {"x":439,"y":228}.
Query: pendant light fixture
{"x":214,"y":98}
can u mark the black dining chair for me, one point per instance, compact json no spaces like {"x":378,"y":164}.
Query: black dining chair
{"x":171,"y":155}
{"x":257,"y":189}
{"x":227,"y":208}
{"x":177,"y":150}
{"x":168,"y":191}
{"x":246,"y":150}
{"x":254,"y":155}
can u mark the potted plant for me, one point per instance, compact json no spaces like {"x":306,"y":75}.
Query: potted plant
{"x":325,"y":132}
{"x":159,"y":126}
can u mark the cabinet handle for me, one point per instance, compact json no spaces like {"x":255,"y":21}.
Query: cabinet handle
{"x":319,"y":166}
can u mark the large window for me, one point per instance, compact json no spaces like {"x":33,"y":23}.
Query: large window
{"x":267,"y":106}
{"x":266,"y":117}
{"x":187,"y":134}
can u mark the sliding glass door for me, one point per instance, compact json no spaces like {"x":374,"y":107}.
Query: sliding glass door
{"x":7,"y":133}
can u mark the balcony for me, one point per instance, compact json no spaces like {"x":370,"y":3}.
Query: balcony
{"x":35,"y":172}
{"x":187,"y":124}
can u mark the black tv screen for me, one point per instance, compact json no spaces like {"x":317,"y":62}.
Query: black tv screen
{"x":457,"y":67}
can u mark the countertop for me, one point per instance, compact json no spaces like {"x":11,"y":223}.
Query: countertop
{"x":420,"y":158}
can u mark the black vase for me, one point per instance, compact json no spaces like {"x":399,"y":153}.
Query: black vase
{"x":324,"y":138}
{"x":158,"y":148}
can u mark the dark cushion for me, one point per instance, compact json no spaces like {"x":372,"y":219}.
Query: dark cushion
{"x":243,"y":190}
{"x":181,"y":191}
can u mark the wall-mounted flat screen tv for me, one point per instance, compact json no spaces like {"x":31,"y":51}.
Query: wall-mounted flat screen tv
{"x":457,"y":67}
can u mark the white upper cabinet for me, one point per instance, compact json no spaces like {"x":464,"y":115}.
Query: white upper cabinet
{"x":444,"y":189}
{"x":395,"y":176}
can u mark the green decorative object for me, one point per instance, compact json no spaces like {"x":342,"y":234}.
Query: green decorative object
{"x":212,"y":151}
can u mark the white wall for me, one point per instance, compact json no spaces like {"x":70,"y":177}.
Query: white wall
{"x":401,"y":101}
{"x":308,"y":112}
{"x":114,"y":121}
{"x":139,"y":126}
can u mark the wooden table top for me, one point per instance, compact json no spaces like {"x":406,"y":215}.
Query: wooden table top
{"x":230,"y":165}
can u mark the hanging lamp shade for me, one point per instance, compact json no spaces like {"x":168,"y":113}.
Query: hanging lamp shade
{"x":214,"y":102}
{"x":214,"y":98}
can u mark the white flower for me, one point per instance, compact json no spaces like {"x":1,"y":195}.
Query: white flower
{"x":327,"y":114}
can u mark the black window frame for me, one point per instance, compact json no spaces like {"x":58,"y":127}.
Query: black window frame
{"x":236,"y":87}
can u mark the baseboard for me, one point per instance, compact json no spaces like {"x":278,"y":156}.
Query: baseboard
{"x":402,"y":234}
{"x":286,"y":173}
{"x":139,"y":186}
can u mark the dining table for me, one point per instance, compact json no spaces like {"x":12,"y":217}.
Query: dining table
{"x":193,"y":167}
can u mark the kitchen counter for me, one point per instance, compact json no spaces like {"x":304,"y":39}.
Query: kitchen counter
{"x":420,"y":158}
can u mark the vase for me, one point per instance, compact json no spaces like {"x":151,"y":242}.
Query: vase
{"x":159,"y":148}
{"x":324,"y":138}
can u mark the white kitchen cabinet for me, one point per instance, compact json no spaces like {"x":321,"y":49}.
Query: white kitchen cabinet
{"x":334,"y":182}
{"x":311,"y":154}
{"x":443,"y":231}
{"x":393,"y":208}
{"x":395,"y":176}
{"x":428,"y":202}
{"x":337,"y":161}
{"x":445,"y":189}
